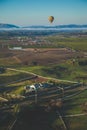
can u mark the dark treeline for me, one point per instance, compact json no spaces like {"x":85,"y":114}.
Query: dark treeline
{"x":13,"y":33}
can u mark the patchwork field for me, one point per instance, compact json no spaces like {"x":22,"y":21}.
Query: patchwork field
{"x":61,"y":56}
{"x":37,"y":56}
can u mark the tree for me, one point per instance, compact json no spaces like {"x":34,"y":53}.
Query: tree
{"x":34,"y":63}
{"x":2,"y":70}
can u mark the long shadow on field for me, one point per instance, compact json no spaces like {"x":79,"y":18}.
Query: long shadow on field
{"x":8,"y":89}
{"x":33,"y":119}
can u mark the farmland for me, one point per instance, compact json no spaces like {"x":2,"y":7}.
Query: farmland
{"x":58,"y":58}
{"x":66,"y":71}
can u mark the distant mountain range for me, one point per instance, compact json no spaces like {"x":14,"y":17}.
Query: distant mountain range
{"x":59,"y":26}
{"x":11,"y":26}
{"x":2,"y":25}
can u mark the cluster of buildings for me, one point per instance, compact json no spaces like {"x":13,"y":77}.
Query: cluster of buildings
{"x":18,"y":43}
{"x":35,"y":87}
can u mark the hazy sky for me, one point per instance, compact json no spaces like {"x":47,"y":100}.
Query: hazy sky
{"x":36,"y":12}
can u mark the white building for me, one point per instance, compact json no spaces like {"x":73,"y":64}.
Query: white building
{"x":16,"y":48}
{"x":30,"y":88}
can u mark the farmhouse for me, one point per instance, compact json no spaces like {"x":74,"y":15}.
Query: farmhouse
{"x":31,"y":88}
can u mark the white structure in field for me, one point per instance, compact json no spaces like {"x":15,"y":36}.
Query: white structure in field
{"x":15,"y":48}
{"x":31,"y":88}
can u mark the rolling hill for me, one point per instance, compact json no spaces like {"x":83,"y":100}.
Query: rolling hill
{"x":2,"y":25}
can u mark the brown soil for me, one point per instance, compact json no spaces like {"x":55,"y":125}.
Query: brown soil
{"x":40,"y":56}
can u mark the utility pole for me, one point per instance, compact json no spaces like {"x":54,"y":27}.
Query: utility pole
{"x":62,"y":89}
{"x":35,"y":96}
{"x":62,"y":92}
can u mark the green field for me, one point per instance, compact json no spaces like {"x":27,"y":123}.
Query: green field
{"x":69,"y":69}
{"x":77,"y":43}
{"x":12,"y":76}
{"x":66,"y":71}
{"x":12,"y":82}
{"x":75,"y":105}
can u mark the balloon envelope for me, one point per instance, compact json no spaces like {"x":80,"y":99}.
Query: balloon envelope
{"x":51,"y":18}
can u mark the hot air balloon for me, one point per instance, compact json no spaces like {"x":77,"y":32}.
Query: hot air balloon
{"x":51,"y":18}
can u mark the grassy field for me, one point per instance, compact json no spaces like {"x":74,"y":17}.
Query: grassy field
{"x":49,"y":63}
{"x":8,"y":61}
{"x":77,"y":43}
{"x":12,"y":76}
{"x":76,"y":104}
{"x":18,"y":88}
{"x":77,"y":123}
{"x":66,"y":71}
{"x":9,"y":79}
